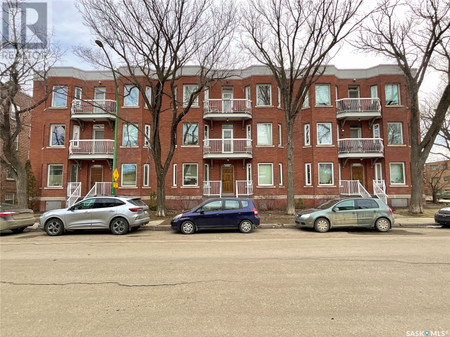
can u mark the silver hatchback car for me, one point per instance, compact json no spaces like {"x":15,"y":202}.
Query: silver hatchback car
{"x":118,"y":214}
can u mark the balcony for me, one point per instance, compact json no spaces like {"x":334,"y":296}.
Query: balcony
{"x":213,"y":188}
{"x":358,"y":108}
{"x":227,"y":148}
{"x":93,"y":110}
{"x":360,"y":148}
{"x":227,"y":109}
{"x":91,"y":149}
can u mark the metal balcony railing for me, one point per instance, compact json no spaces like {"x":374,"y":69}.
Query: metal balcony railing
{"x":244,"y":187}
{"x":99,"y":189}
{"x":353,"y":187}
{"x":227,"y":106}
{"x":94,"y":107}
{"x":91,"y":147}
{"x":228,"y":146}
{"x":212,"y":188}
{"x":358,"y":105}
{"x":360,"y":145}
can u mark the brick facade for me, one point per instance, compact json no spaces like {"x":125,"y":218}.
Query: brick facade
{"x":229,"y":148}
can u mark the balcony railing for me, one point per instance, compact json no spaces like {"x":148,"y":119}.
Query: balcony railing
{"x":99,"y":189}
{"x":244,"y":187}
{"x":212,"y":188}
{"x":358,"y":107}
{"x":89,"y":108}
{"x":91,"y":148}
{"x":227,"y":108}
{"x":360,"y":147}
{"x":353,"y":187}
{"x":227,"y":148}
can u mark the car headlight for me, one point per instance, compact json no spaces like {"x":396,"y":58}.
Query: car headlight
{"x":305,"y":216}
{"x":178,"y":216}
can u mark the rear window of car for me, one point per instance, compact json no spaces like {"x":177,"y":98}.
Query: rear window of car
{"x":137,"y":202}
{"x":232,"y":204}
{"x":365,"y":204}
{"x":108,"y":202}
{"x":244,"y":203}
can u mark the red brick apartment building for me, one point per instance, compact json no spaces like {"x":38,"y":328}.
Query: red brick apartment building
{"x":8,"y":193}
{"x":352,"y":137}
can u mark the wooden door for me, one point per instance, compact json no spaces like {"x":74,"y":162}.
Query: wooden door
{"x":227,"y":179}
{"x":358,"y":173}
{"x":96,"y":175}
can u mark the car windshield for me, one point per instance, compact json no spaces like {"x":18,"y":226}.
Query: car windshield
{"x":328,"y":204}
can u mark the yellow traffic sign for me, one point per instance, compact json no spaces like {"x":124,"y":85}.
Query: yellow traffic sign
{"x":116,"y":175}
{"x":116,"y":185}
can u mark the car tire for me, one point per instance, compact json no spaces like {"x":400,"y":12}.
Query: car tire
{"x":18,"y":230}
{"x":246,"y":226}
{"x":187,"y":227}
{"x":119,"y":226}
{"x":54,"y":227}
{"x":383,"y":225}
{"x":322,"y":225}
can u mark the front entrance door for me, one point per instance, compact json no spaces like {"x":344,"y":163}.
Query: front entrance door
{"x":96,"y":175}
{"x":227,"y":179}
{"x":358,"y":173}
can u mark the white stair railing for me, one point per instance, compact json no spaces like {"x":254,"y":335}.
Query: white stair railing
{"x":99,"y":188}
{"x":244,"y":187}
{"x":73,"y":193}
{"x":212,"y":188}
{"x":353,"y":187}
{"x":379,"y":189}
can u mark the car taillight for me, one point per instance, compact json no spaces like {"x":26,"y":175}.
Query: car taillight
{"x":7,"y":214}
{"x":136,"y":209}
{"x":390,"y":211}
{"x":255,"y":211}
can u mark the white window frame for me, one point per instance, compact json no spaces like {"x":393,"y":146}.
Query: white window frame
{"x":390,"y":173}
{"x":182,"y":174}
{"x":372,"y":91}
{"x":248,"y":97}
{"x":248,"y":172}
{"x":307,"y":134}
{"x":206,"y":172}
{"x":308,"y":174}
{"x":122,"y":175}
{"x":147,"y":132}
{"x":271,"y":166}
{"x":55,"y":92}
{"x":127,"y":89}
{"x":280,"y":171}
{"x":398,"y":93}
{"x":402,"y":141}
{"x":9,"y":176}
{"x":306,"y":101}
{"x":270,"y":137}
{"x":174,"y":175}
{"x":146,"y":175}
{"x":332,"y":173}
{"x":378,"y":171}
{"x":187,"y":95}
{"x":49,"y":166}
{"x":280,"y":135}
{"x":321,"y":85}
{"x":127,"y":126}
{"x":376,"y":129}
{"x":331,"y":134}
{"x":52,"y":127}
{"x":148,"y":94}
{"x":258,"y":101}
{"x":78,"y":93}
{"x":279,"y":97}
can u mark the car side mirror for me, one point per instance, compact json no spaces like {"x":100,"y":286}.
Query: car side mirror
{"x":202,"y":212}
{"x":336,"y":209}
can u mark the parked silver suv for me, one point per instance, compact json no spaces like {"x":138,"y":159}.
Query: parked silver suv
{"x":119,"y":214}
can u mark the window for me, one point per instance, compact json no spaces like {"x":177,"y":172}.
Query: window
{"x":55,"y":175}
{"x":212,"y":206}
{"x":129,"y":175}
{"x":231,"y":204}
{"x":280,"y":171}
{"x":206,"y":172}
{"x":206,"y":94}
{"x":9,"y":198}
{"x":280,"y":136}
{"x":190,"y":133}
{"x":16,"y":143}
{"x":346,"y":205}
{"x":85,"y":204}
{"x":9,"y":174}
{"x":264,"y":134}
{"x":434,"y":167}
{"x":148,"y":132}
{"x":129,"y":135}
{"x":188,"y":91}
{"x":308,"y":178}
{"x":146,"y":175}
{"x":57,"y":134}
{"x":59,"y":98}
{"x":365,"y":204}
{"x":392,"y":94}
{"x":14,"y":109}
{"x":131,"y":96}
{"x":374,"y":91}
{"x":376,"y":131}
{"x":265,"y":174}
{"x":249,"y":172}
{"x":190,"y":174}
{"x":107,"y":202}
{"x":78,"y":93}
{"x":174,"y":175}
{"x":324,"y":133}
{"x":248,"y":102}
{"x":326,"y":174}
{"x":305,"y":103}
{"x":378,"y":172}
{"x":263,"y":95}
{"x":279,"y":97}
{"x":307,"y":135}
{"x":395,"y":133}
{"x":323,"y":94}
{"x":397,"y":172}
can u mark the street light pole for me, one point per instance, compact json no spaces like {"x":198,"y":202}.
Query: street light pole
{"x":100,"y":44}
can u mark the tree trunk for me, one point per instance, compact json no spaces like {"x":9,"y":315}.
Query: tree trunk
{"x":21,"y":186}
{"x":161,"y":193}
{"x":417,"y":167}
{"x":290,"y":205}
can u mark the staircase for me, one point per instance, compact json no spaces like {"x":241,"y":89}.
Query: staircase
{"x":379,"y":189}
{"x":353,"y":188}
{"x":99,"y":188}
{"x":73,"y":193}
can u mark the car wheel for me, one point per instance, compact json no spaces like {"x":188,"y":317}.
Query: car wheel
{"x":383,"y":225}
{"x":187,"y":227}
{"x":119,"y":226}
{"x":322,"y":225}
{"x":246,"y":226}
{"x":18,"y":230}
{"x":54,"y":227}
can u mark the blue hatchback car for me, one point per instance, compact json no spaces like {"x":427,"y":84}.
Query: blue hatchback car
{"x":218,"y":213}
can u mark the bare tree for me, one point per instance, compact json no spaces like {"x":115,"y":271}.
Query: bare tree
{"x":294,"y":39}
{"x":415,"y":34}
{"x":433,"y":179}
{"x":19,"y":65}
{"x":153,"y":40}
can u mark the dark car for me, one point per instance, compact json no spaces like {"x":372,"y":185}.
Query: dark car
{"x":218,"y":213}
{"x":442,"y":216}
{"x":359,"y":212}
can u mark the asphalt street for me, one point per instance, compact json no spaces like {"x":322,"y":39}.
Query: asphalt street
{"x":271,"y":282}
